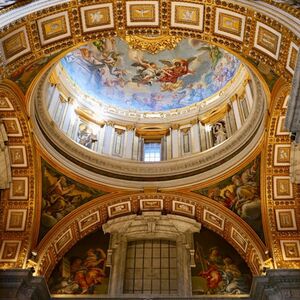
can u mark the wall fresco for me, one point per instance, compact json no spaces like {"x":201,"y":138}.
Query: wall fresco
{"x":241,"y":194}
{"x":60,"y":196}
{"x":83,"y":269}
{"x":25,"y":74}
{"x":111,"y":72}
{"x":219,"y":268}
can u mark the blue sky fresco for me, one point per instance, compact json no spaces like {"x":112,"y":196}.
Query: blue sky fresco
{"x":112,"y":73}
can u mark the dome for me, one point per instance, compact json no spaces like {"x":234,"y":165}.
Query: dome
{"x":139,"y":116}
{"x":112,"y":73}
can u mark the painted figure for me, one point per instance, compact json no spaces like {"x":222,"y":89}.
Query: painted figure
{"x":240,"y":193}
{"x":85,"y":273}
{"x":147,"y":72}
{"x":221,"y":274}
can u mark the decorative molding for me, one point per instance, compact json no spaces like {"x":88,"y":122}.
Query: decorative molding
{"x":290,"y":249}
{"x":285,"y":219}
{"x":292,"y":58}
{"x":15,"y":44}
{"x":282,"y":187}
{"x":97,"y":17}
{"x":187,"y":15}
{"x":10,"y":250}
{"x":142,"y":13}
{"x":230,"y":24}
{"x":213,"y":219}
{"x":267,"y":39}
{"x":183,"y":208}
{"x":19,"y":188}
{"x":16,"y":220}
{"x":54,"y":28}
{"x":119,"y":209}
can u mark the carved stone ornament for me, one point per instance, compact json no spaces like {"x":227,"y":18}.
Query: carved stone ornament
{"x":152,"y":44}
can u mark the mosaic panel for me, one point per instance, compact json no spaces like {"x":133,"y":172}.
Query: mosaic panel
{"x":83,"y":269}
{"x":282,"y":155}
{"x":151,"y":204}
{"x":241,"y":194}
{"x":10,"y":250}
{"x":12,"y":127}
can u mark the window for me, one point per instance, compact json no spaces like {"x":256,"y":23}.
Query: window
{"x":151,"y":152}
{"x":151,"y":267}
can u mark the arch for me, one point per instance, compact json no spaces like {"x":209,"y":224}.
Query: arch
{"x":276,"y":172}
{"x":17,"y":202}
{"x":94,"y":214}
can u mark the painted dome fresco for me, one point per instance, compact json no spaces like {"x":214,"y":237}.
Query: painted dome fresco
{"x":112,"y":73}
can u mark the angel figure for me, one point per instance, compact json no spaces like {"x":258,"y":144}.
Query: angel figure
{"x":214,"y":53}
{"x":172,"y":72}
{"x":175,"y":69}
{"x":147,"y":72}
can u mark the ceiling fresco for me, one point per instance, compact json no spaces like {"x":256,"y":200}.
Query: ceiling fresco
{"x":109,"y":71}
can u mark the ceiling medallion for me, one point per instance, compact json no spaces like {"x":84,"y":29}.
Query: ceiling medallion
{"x":152,"y":45}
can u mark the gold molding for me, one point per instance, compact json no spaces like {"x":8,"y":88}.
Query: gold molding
{"x":153,"y":44}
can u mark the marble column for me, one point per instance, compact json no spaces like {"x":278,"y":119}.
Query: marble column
{"x":129,"y":135}
{"x":195,"y":136}
{"x":108,"y":138}
{"x":169,"y":147}
{"x":249,"y":96}
{"x":175,"y":141}
{"x":236,"y":113}
{"x":202,"y":133}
